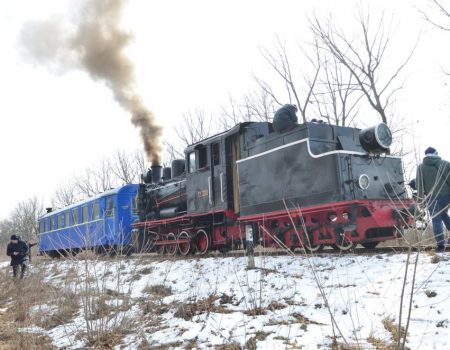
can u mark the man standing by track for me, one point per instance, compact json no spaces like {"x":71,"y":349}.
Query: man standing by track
{"x":433,"y":190}
{"x":18,"y":251}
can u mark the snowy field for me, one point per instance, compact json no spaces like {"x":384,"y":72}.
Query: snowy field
{"x":215,"y":303}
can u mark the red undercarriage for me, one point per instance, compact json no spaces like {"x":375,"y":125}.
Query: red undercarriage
{"x":341,"y":224}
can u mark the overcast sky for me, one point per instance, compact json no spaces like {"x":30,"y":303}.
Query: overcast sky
{"x":188,"y":55}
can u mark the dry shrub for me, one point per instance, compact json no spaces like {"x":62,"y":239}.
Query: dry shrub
{"x":259,"y":336}
{"x":230,"y":346}
{"x":189,"y":310}
{"x":392,"y":328}
{"x":256,"y":311}
{"x":158,"y":290}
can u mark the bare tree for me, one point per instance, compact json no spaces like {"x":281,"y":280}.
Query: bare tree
{"x":335,"y":95}
{"x":256,"y":105}
{"x":65,"y":195}
{"x":281,"y":64}
{"x":438,"y":15}
{"x":195,"y":126}
{"x":363,"y":56}
{"x":23,"y":220}
{"x":172,"y":152}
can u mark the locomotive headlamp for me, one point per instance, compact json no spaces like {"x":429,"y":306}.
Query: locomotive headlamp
{"x":363,"y":182}
{"x":376,"y":139}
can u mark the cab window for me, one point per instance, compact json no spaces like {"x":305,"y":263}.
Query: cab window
{"x":215,"y":149}
{"x":109,"y":207}
{"x":202,"y":157}
{"x":191,"y":162}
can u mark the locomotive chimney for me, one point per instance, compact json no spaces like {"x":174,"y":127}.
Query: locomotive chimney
{"x":49,"y":210}
{"x":156,"y":173}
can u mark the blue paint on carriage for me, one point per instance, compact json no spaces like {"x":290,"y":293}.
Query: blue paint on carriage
{"x":104,"y":220}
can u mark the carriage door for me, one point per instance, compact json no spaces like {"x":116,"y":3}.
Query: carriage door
{"x":110,"y":214}
{"x":218,"y":185}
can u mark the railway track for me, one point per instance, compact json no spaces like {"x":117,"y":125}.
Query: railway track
{"x":263,"y":252}
{"x":280,"y":252}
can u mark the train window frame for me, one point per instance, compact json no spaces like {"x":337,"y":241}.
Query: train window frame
{"x":75,"y":216}
{"x":54,"y":223}
{"x":134,"y":205}
{"x":84,"y":214}
{"x":202,"y":152}
{"x":42,"y":226}
{"x":215,"y":152}
{"x":67,"y":218}
{"x":192,"y":164}
{"x":96,"y":210}
{"x":61,"y":223}
{"x":47,"y":225}
{"x":109,"y":211}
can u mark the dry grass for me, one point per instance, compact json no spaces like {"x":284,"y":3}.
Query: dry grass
{"x":18,"y":297}
{"x":207,"y":305}
{"x":392,"y":328}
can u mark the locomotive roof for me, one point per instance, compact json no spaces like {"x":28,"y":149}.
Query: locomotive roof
{"x":90,"y":199}
{"x":234,"y":130}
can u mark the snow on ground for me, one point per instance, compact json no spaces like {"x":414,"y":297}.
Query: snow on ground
{"x":214,"y":301}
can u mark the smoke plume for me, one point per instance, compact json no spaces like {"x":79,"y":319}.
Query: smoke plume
{"x":96,"y":45}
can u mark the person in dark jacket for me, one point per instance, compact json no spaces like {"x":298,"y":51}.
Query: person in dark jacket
{"x":18,"y":251}
{"x":433,"y":190}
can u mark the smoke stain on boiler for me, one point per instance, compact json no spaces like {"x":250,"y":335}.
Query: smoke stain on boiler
{"x":96,"y":45}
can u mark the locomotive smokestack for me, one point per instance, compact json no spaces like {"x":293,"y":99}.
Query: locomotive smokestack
{"x":96,"y":46}
{"x":156,"y":173}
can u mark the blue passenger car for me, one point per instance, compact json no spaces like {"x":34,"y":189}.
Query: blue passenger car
{"x":99,"y":223}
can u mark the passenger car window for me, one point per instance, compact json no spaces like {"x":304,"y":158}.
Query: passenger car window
{"x":61,"y":221}
{"x":96,"y":210}
{"x":109,"y":207}
{"x":67,"y":218}
{"x":191,"y":162}
{"x":42,"y":226}
{"x":84,"y":214}
{"x":75,"y":216}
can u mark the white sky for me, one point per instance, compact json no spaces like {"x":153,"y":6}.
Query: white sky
{"x":188,"y":55}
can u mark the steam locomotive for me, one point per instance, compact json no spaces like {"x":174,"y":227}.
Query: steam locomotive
{"x":279,"y":184}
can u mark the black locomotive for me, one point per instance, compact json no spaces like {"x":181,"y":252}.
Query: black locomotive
{"x":291,"y":185}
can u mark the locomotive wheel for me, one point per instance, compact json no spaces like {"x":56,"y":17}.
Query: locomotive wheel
{"x":344,"y":245}
{"x":171,"y":249}
{"x":370,"y":245}
{"x":184,"y":248}
{"x":313,"y":248}
{"x":202,"y":242}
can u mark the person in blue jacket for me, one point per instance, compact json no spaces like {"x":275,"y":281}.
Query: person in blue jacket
{"x":18,"y":251}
